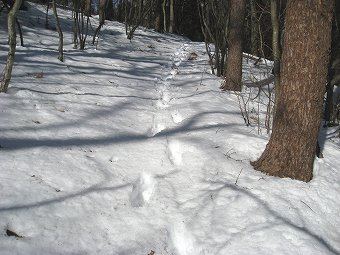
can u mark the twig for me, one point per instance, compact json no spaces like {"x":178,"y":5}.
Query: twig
{"x":307,"y":206}
{"x":238,"y":176}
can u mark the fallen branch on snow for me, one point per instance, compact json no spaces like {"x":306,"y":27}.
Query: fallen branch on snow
{"x":260,"y":83}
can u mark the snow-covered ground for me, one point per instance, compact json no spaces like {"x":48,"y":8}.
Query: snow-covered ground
{"x":131,"y":148}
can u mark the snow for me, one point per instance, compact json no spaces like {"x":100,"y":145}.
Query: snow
{"x":129,"y":147}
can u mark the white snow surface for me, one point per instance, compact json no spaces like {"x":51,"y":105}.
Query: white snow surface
{"x":129,"y":147}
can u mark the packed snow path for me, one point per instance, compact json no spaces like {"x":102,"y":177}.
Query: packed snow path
{"x":131,"y":148}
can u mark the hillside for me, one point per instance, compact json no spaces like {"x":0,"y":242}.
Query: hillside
{"x":130,"y":147}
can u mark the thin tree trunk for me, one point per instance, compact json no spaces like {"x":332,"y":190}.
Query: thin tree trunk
{"x":172,"y":17}
{"x":142,"y":15}
{"x":158,"y":14}
{"x":126,"y":16}
{"x":20,"y":32}
{"x":46,"y":16}
{"x":75,"y":27}
{"x":254,"y":29}
{"x":8,"y":7}
{"x":276,"y":47}
{"x":12,"y":46}
{"x":102,"y":17}
{"x":87,"y":8}
{"x":292,"y":145}
{"x":60,"y":32}
{"x":233,"y":73}
{"x":164,"y":15}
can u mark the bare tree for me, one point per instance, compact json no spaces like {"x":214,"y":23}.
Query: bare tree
{"x":7,"y":74}
{"x":233,"y":73}
{"x":138,"y":13}
{"x":8,"y":5}
{"x":276,"y":44}
{"x":164,"y":15}
{"x":158,"y":16}
{"x":214,"y":25}
{"x":60,"y":33}
{"x":81,"y":18}
{"x":292,"y":145}
{"x":254,"y":35}
{"x":172,"y":17}
{"x":103,"y":10}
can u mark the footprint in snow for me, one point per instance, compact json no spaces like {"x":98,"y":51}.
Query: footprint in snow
{"x":176,"y":151}
{"x":155,"y":129}
{"x":142,"y":190}
{"x":181,"y":239}
{"x":176,"y":117}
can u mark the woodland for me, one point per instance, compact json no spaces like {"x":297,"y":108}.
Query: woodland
{"x":169,"y":127}
{"x":260,"y":28}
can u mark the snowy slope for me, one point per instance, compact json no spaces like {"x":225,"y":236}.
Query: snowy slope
{"x":132,"y":148}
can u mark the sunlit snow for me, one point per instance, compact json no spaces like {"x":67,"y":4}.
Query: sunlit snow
{"x":130,"y":147}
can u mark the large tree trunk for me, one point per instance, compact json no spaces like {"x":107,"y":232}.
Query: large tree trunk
{"x":291,"y":148}
{"x":7,"y":74}
{"x":233,"y":73}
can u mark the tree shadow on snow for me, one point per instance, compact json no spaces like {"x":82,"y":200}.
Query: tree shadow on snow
{"x":216,"y":187}
{"x":189,"y":125}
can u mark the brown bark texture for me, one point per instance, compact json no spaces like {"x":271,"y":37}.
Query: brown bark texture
{"x":292,"y":145}
{"x":87,"y":7}
{"x":233,"y":73}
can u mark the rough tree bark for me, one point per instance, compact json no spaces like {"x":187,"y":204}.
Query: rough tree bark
{"x":7,"y":74}
{"x":292,"y":145}
{"x":233,"y":72}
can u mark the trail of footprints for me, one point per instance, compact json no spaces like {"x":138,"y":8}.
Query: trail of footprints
{"x":163,"y":118}
{"x":180,"y":237}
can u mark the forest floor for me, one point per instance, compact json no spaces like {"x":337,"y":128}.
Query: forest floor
{"x":131,"y":148}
